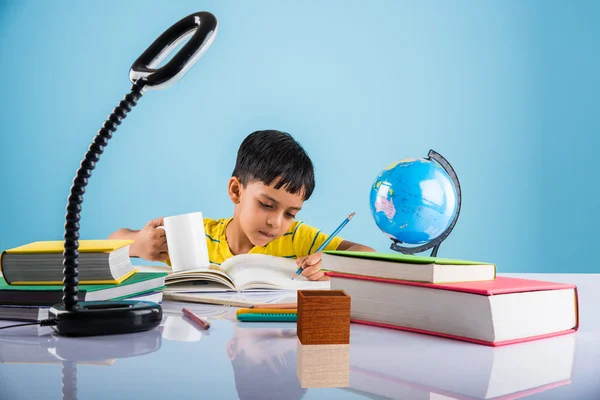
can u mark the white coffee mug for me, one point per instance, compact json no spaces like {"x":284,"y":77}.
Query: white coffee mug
{"x":186,"y":241}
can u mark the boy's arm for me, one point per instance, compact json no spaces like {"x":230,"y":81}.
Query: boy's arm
{"x":127,"y":234}
{"x":149,"y":242}
{"x":347,"y":245}
{"x":123,"y":234}
{"x":306,"y":239}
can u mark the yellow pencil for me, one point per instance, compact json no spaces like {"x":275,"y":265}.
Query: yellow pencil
{"x":265,"y":311}
{"x":275,"y":305}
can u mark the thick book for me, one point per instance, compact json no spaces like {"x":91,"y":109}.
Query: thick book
{"x":38,"y":313}
{"x":41,"y":263}
{"x":23,"y":313}
{"x":20,"y":332}
{"x":494,"y":313}
{"x":48,"y":295}
{"x":407,"y":267}
{"x":428,"y":368}
{"x":240,"y":273}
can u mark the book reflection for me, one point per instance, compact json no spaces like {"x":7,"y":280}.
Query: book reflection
{"x":403,"y":365}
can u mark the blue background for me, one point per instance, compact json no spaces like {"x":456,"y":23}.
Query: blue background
{"x":503,"y":90}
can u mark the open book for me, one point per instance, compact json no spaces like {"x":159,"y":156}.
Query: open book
{"x":243,"y":272}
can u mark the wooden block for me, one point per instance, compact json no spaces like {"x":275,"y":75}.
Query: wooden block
{"x":323,"y":317}
{"x":324,"y":365}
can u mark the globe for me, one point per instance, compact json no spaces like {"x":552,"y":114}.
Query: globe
{"x":413,"y":200}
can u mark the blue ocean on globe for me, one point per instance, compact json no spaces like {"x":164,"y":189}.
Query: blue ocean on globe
{"x":413,"y":200}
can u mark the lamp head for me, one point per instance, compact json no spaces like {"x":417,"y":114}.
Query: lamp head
{"x":200,"y":27}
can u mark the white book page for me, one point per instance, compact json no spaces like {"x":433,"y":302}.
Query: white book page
{"x":213,"y":269}
{"x":198,"y":287}
{"x":254,"y":297}
{"x":260,"y":271}
{"x":214,"y":274}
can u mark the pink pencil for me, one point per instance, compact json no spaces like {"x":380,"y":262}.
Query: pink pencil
{"x":200,"y":321}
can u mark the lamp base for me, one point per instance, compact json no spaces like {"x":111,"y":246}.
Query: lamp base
{"x":93,"y":318}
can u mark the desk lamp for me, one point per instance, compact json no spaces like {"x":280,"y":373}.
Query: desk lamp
{"x":90,"y":318}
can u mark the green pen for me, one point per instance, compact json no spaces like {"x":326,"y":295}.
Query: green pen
{"x":264,"y":317}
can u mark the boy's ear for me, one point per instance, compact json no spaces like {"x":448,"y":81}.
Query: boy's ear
{"x":235,"y":189}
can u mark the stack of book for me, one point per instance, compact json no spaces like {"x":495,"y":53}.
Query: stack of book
{"x":456,"y":299}
{"x":31,"y":277}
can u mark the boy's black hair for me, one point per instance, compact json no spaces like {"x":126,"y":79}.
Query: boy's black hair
{"x":269,"y":154}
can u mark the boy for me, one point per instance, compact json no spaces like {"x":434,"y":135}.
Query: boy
{"x":272,"y":178}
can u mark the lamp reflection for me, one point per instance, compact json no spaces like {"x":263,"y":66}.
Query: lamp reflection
{"x":70,"y":352}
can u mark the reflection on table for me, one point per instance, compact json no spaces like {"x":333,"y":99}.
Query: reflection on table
{"x":264,"y":362}
{"x":400,"y":365}
{"x":70,"y":352}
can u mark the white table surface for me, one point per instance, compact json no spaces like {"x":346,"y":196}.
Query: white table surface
{"x":265,"y":361}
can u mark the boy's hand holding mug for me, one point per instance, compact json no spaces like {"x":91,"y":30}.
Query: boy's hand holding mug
{"x":151,"y":242}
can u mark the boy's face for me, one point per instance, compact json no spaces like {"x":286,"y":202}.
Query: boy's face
{"x":264,"y":213}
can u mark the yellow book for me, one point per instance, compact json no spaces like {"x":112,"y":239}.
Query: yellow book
{"x":101,"y":262}
{"x":57,"y":246}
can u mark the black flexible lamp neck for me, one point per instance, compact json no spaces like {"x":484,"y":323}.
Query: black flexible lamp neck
{"x":71,"y":246}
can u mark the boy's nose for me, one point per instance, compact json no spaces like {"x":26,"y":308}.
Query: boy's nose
{"x":274,"y":221}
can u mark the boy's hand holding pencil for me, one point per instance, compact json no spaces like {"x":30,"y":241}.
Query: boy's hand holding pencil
{"x":310,"y":266}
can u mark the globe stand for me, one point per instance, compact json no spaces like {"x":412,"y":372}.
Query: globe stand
{"x":435,"y":243}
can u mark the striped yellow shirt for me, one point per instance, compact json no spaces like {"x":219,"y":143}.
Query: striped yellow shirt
{"x":300,"y":240}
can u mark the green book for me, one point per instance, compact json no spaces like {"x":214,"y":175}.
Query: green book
{"x":47,"y":295}
{"x":399,"y":257}
{"x":407,"y":267}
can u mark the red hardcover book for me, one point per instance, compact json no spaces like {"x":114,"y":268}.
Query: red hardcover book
{"x":497,"y":312}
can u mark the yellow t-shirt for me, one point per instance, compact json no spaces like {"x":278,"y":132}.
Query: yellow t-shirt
{"x":300,"y":240}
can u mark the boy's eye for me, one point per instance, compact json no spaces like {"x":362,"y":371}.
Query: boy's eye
{"x":290,"y":215}
{"x":264,"y":205}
